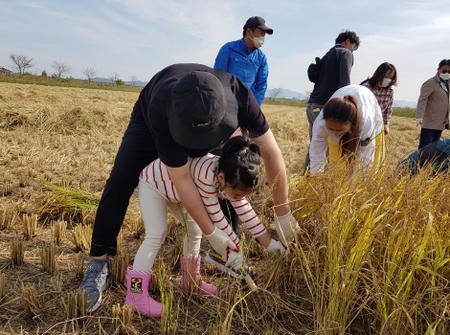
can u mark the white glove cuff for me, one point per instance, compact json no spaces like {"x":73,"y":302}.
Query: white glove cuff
{"x":284,"y":216}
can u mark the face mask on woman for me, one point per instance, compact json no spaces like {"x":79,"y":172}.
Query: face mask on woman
{"x":445,"y":76}
{"x":257,"y":41}
{"x":386,"y":82}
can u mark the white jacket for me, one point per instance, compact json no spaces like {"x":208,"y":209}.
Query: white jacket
{"x":371,"y":125}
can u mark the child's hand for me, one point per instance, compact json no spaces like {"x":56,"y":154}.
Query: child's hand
{"x":275,"y":246}
{"x":221,"y":242}
{"x":235,"y":260}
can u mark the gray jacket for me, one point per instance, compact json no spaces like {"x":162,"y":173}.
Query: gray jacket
{"x":433,"y":105}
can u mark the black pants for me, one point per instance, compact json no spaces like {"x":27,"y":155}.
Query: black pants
{"x":136,"y":151}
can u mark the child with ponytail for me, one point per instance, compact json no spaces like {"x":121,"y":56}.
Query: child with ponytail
{"x":350,"y":125}
{"x":232,"y":176}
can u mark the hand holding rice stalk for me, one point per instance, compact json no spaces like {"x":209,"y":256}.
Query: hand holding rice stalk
{"x":236,"y":261}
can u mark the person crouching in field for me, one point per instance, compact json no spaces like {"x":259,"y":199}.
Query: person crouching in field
{"x":435,"y":154}
{"x":232,"y":176}
{"x":350,"y":125}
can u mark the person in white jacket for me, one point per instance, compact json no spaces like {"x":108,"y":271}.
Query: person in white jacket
{"x":350,"y":125}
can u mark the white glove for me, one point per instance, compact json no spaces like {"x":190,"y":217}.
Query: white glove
{"x":419,"y":122}
{"x":221,"y":242}
{"x":275,"y":246}
{"x":285,"y":226}
{"x":235,"y":260}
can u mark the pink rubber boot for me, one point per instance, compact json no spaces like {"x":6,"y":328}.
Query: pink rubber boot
{"x":190,"y":270}
{"x":137,"y":294}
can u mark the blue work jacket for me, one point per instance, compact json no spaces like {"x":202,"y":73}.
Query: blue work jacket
{"x":251,"y":68}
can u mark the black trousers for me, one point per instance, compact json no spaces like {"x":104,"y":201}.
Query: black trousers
{"x":136,"y":151}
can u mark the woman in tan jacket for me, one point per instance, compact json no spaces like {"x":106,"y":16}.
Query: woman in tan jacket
{"x":433,"y":106}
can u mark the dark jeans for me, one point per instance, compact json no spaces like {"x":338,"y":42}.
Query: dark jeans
{"x":136,"y":152}
{"x":428,"y":136}
{"x":312,"y":112}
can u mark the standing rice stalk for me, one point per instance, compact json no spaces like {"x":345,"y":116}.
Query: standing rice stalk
{"x":2,"y":285}
{"x":30,"y":302}
{"x":8,"y":217}
{"x":122,"y":318}
{"x":78,"y":263}
{"x":58,"y":229}
{"x":48,"y":258}
{"x":18,"y":252}
{"x":119,"y":265}
{"x":29,"y":224}
{"x":75,"y":304}
{"x":82,"y":236}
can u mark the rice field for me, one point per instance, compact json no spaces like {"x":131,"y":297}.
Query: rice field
{"x":372,"y":255}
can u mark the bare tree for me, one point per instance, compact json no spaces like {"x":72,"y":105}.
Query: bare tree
{"x":21,"y":62}
{"x":307,"y":94}
{"x":114,"y":77}
{"x":133,"y":80}
{"x":275,"y":93}
{"x":89,"y":73}
{"x":61,"y":68}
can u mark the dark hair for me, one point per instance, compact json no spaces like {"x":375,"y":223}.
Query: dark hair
{"x":245,"y":30}
{"x":346,"y":111}
{"x":240,"y":163}
{"x":354,"y":39}
{"x":444,"y":62}
{"x":377,"y":78}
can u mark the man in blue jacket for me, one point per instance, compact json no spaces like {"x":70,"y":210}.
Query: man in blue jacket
{"x":245,"y":60}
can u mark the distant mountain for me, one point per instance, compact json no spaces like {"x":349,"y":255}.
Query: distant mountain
{"x":285,"y":93}
{"x":107,"y":80}
{"x":288,"y":94}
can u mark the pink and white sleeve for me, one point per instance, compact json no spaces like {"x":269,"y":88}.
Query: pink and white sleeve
{"x":248,"y":217}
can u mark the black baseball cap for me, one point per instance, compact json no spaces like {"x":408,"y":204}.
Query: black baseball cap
{"x":204,"y":111}
{"x":258,"y":22}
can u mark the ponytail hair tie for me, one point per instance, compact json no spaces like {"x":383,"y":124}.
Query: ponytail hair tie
{"x":346,"y":97}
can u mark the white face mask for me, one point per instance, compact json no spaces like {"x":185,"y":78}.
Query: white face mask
{"x":257,"y":41}
{"x":386,"y":82}
{"x":445,"y":76}
{"x":338,"y":134}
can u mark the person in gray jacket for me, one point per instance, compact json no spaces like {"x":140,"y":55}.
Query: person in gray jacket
{"x":433,"y":106}
{"x":333,"y":73}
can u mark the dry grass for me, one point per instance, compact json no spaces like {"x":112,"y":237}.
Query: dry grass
{"x":372,"y":256}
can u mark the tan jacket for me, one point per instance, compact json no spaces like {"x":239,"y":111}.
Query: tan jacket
{"x":433,"y":105}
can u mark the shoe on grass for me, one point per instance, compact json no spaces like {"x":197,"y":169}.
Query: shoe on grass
{"x":95,"y":281}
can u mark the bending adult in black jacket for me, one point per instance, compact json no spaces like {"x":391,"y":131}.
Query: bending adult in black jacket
{"x":186,"y":110}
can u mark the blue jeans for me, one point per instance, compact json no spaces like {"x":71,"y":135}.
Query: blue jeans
{"x":428,"y":136}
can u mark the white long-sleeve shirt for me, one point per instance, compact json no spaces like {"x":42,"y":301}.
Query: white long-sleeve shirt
{"x":204,"y":172}
{"x":370,"y":126}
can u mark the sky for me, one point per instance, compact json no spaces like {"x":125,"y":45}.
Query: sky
{"x":141,"y":37}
